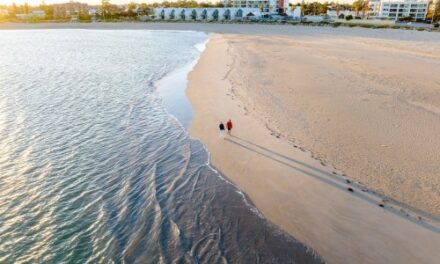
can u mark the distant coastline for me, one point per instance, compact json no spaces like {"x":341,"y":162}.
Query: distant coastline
{"x":135,"y":24}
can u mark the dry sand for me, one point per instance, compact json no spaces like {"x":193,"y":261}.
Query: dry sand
{"x":367,"y":106}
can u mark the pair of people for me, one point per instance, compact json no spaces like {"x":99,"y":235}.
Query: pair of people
{"x":222,"y":128}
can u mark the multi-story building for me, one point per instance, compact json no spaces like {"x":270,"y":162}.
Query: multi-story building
{"x":265,"y":6}
{"x":396,"y":9}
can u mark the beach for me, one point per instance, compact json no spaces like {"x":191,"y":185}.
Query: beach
{"x":335,"y":136}
{"x":331,"y":135}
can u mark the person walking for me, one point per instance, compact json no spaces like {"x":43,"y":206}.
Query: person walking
{"x":229,"y":126}
{"x":222,"y":129}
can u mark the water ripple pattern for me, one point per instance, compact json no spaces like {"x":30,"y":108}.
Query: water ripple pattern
{"x":94,"y":170}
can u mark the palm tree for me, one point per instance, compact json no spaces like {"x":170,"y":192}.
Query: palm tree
{"x":358,"y":5}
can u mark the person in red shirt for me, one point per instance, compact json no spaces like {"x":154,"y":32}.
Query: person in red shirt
{"x":229,"y":126}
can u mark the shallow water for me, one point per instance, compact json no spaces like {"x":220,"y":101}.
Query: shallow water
{"x":94,"y":169}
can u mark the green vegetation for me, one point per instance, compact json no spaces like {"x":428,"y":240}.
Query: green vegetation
{"x":406,"y":19}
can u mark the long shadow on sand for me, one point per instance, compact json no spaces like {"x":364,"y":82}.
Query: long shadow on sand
{"x":398,"y":208}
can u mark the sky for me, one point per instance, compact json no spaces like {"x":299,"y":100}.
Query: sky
{"x":94,"y":2}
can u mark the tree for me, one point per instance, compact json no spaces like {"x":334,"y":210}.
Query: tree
{"x":303,"y":7}
{"x":105,"y":8}
{"x":48,"y":10}
{"x":358,"y":5}
{"x":26,"y":8}
{"x":144,"y":8}
{"x":436,"y":12}
{"x":314,"y":8}
{"x":132,"y":9}
{"x":84,"y":17}
{"x":15,"y":9}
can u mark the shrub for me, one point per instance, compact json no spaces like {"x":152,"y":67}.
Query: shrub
{"x":349,"y":17}
{"x":336,"y":24}
{"x":341,"y":16}
{"x":84,"y":17}
{"x":420,"y":29}
{"x":405,"y":19}
{"x":358,"y":17}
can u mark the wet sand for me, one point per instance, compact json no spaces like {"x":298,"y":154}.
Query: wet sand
{"x":267,"y":85}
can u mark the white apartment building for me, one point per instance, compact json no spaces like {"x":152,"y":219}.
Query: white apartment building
{"x":206,"y":14}
{"x":395,"y":9}
{"x":265,"y":6}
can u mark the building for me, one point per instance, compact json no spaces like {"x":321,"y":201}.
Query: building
{"x":295,"y":13}
{"x":36,"y":14}
{"x":39,"y":13}
{"x":206,"y":14}
{"x":396,"y":9}
{"x":334,"y":14}
{"x":92,"y":11}
{"x":69,"y":9}
{"x":265,"y":6}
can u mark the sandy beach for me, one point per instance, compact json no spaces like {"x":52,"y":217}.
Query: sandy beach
{"x":335,"y":135}
{"x":323,"y":126}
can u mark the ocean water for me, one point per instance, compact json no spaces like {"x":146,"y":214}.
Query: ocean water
{"x":94,"y":169}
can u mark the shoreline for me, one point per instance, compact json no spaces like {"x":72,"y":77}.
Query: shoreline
{"x":177,"y":82}
{"x":310,"y":206}
{"x":172,"y":88}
